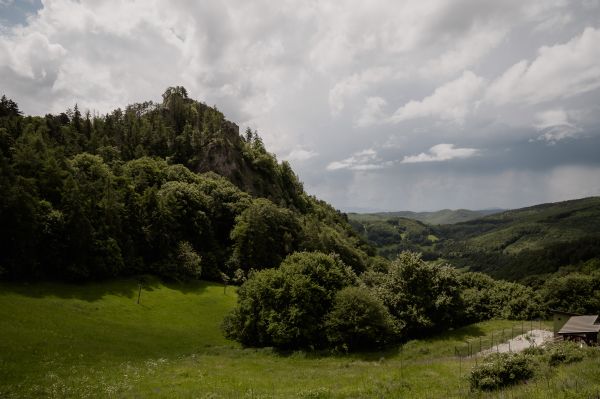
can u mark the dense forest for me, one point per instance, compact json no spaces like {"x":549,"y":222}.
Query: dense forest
{"x":520,"y":245}
{"x":174,"y":190}
{"x":170,"y":189}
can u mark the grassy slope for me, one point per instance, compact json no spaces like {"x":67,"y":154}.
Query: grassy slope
{"x":93,"y":340}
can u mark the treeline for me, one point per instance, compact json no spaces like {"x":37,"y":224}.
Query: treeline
{"x":315,"y":301}
{"x":86,"y":197}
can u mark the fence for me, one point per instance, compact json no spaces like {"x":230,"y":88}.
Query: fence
{"x":474,"y":346}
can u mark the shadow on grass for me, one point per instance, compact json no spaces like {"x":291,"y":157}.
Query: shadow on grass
{"x":387,"y":352}
{"x":91,"y":291}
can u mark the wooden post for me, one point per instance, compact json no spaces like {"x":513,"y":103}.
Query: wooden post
{"x":139,"y":292}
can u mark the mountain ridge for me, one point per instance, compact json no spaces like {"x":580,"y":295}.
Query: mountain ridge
{"x":511,"y":244}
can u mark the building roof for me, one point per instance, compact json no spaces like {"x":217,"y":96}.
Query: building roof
{"x":581,"y":324}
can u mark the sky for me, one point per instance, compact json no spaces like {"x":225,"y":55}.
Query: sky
{"x":378,"y":105}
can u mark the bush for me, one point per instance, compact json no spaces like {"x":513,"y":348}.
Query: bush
{"x":499,"y":370}
{"x":358,"y":320}
{"x":286,"y":307}
{"x":564,"y":353}
{"x":421,"y":297}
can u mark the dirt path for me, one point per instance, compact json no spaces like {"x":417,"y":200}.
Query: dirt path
{"x":522,"y":342}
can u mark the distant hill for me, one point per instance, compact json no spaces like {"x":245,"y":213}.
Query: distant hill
{"x":528,"y":228}
{"x":514,"y":244}
{"x":444,"y":216}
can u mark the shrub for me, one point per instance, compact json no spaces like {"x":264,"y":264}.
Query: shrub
{"x":499,"y":370}
{"x":421,"y":297}
{"x":564,"y":353}
{"x":286,"y":307}
{"x":357,"y":320}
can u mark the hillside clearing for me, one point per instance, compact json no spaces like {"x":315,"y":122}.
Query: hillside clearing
{"x":93,"y":340}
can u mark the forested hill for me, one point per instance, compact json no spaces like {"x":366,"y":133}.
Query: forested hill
{"x":168,"y":188}
{"x":444,"y":216}
{"x":528,"y":241}
{"x":513,"y":244}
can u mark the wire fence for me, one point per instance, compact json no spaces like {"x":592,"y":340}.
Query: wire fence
{"x":475,"y":346}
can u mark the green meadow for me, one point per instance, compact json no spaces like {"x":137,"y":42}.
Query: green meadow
{"x":95,"y":340}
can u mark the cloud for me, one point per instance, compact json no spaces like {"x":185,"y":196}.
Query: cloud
{"x":555,"y":22}
{"x":559,"y":71}
{"x":300,"y":154}
{"x":555,"y":126}
{"x":452,"y":101}
{"x":372,"y":113}
{"x":466,"y":52}
{"x":355,"y":84}
{"x":319,"y":80}
{"x":441,"y":152}
{"x":361,"y":160}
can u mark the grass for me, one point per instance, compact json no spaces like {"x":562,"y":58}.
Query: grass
{"x":94,"y":340}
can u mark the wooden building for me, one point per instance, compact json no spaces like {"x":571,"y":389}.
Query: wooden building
{"x":560,"y":318}
{"x":581,"y":329}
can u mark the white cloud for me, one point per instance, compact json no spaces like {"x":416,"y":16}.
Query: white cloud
{"x":441,"y":152}
{"x":312,"y":76}
{"x":466,"y":52}
{"x":32,"y":56}
{"x":300,"y":154}
{"x":559,"y":71}
{"x":451,"y":101}
{"x":555,"y":126}
{"x":355,"y":84}
{"x":361,"y":160}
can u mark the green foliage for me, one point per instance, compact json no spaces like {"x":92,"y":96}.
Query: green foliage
{"x":511,"y":245}
{"x":184,"y":264}
{"x":575,"y":293}
{"x":263,"y":235}
{"x":421,"y":297}
{"x":87,"y":197}
{"x":358,"y":320}
{"x":485,"y":298}
{"x":499,"y":370}
{"x":564,"y":353}
{"x":287,"y":307}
